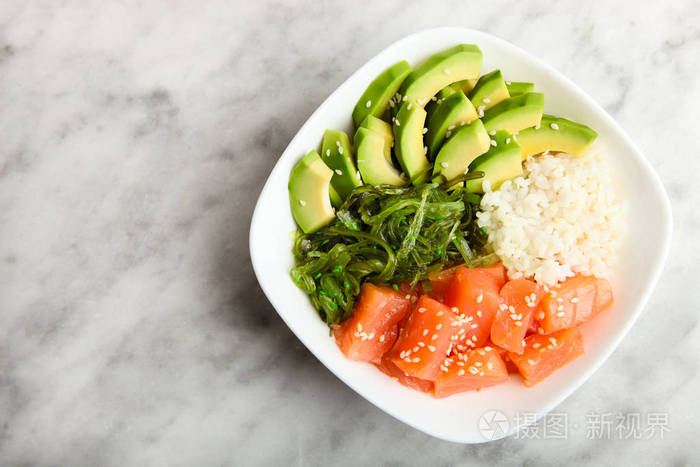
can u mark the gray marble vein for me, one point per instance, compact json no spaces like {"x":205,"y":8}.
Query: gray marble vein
{"x":134,"y":140}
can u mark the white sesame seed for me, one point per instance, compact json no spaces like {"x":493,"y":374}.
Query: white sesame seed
{"x":518,"y":323}
{"x":381,"y":338}
{"x":474,"y":338}
{"x":553,"y":340}
{"x":302,"y":202}
{"x":541,"y":315}
{"x":416,"y":359}
{"x":439,"y":326}
{"x":530,"y":361}
{"x":410,"y":104}
{"x":416,"y":349}
{"x":425,"y":149}
{"x":560,"y":300}
{"x":560,"y":307}
{"x":340,"y":150}
{"x":404,"y":98}
{"x":431,"y":348}
{"x":328,"y":152}
{"x":469,"y":122}
{"x":486,"y":100}
{"x":488,"y":349}
{"x":425,"y":130}
{"x":494,"y":143}
{"x":425,"y":332}
{"x":359,"y":327}
{"x":489,"y":365}
{"x":443,"y":165}
{"x":368,"y":104}
{"x":574,"y":300}
{"x":478,"y":364}
{"x":473,"y":370}
{"x":439,"y":313}
{"x":421,"y":310}
{"x":451,"y":127}
{"x":448,"y":134}
{"x":507,"y":140}
{"x":478,"y":313}
{"x":537,"y":127}
{"x":535,"y":345}
{"x":460,"y":372}
{"x":515,"y":138}
{"x":421,"y":344}
{"x":434,"y":98}
{"x":560,"y":314}
{"x":492,"y":132}
{"x":554,"y":126}
{"x":434,"y":337}
{"x":474,"y":326}
{"x":480,"y":298}
{"x":339,"y":172}
{"x":397,"y":122}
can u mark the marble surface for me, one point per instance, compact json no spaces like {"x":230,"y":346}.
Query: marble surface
{"x":134,"y":139}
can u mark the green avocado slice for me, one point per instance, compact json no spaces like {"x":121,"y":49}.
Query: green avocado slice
{"x":337,"y":154}
{"x":455,"y":111}
{"x":500,"y":163}
{"x":375,"y":99}
{"x":309,"y":184}
{"x":458,"y":63}
{"x":515,"y":113}
{"x":489,"y":91}
{"x":374,"y":159}
{"x":515,"y":88}
{"x":556,"y":134}
{"x":468,"y":142}
{"x":408,"y":142}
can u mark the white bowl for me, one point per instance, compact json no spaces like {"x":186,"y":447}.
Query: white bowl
{"x":458,"y":418}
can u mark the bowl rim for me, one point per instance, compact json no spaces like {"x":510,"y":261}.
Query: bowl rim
{"x":619,"y":333}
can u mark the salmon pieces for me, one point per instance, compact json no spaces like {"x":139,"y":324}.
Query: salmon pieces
{"x":472,"y":329}
{"x":573,"y":302}
{"x":473,"y":295}
{"x":545,"y":353}
{"x":372,"y":329}
{"x":425,"y":340}
{"x":521,"y":298}
{"x":473,"y":369}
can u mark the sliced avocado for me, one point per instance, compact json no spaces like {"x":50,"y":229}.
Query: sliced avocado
{"x":336,"y":200}
{"x":466,"y":85}
{"x":453,"y":112}
{"x":556,"y":134}
{"x":455,"y":64}
{"x":379,"y":126}
{"x":489,"y":91}
{"x":515,"y":113}
{"x":515,"y":88}
{"x":502,"y":162}
{"x":374,"y":160}
{"x":337,"y":154}
{"x":375,"y":99}
{"x":468,"y":142}
{"x":309,"y":183}
{"x":408,"y":142}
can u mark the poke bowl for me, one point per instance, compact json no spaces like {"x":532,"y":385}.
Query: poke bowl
{"x":552,"y":192}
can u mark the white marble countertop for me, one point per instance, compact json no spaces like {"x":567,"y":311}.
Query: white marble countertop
{"x":134,"y":140}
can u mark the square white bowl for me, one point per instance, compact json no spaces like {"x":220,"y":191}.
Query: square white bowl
{"x":458,"y":418}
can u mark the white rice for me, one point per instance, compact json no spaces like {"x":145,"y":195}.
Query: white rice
{"x":560,"y":218}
